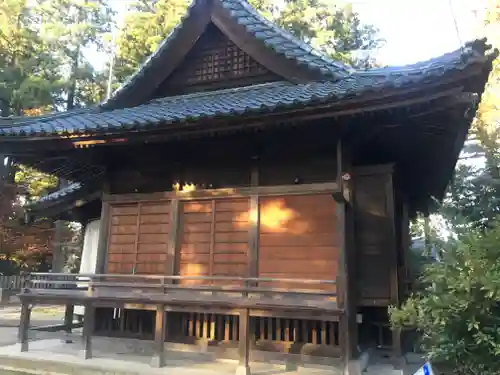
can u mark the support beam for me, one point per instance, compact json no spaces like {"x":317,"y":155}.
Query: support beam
{"x":158,"y":359}
{"x":346,"y":277}
{"x":24,"y":325}
{"x":88,"y":330}
{"x":244,"y":343}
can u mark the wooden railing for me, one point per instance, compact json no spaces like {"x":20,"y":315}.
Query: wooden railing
{"x":15,"y":282}
{"x":159,"y":284}
{"x":253,"y":307}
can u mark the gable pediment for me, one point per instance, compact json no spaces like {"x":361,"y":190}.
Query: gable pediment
{"x":248,"y":45}
{"x":214,"y":62}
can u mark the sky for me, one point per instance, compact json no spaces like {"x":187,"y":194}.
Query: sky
{"x":414,"y":30}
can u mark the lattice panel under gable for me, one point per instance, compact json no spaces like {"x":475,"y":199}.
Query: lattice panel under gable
{"x":213,"y":63}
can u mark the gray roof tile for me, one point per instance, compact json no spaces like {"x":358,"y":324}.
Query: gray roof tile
{"x":250,"y":99}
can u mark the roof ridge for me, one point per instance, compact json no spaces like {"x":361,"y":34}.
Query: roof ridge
{"x":325,"y":65}
{"x":285,"y":33}
{"x":221,"y":91}
{"x":475,"y":49}
{"x":21,"y":120}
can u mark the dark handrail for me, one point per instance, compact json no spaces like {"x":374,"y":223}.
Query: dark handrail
{"x":163,"y":285}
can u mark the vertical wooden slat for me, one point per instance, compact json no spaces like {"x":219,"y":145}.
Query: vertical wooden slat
{"x":244,"y":343}
{"x":205,"y":325}
{"x":173,"y":240}
{"x":211,"y":321}
{"x":235,"y":327}
{"x":304,"y":333}
{"x":197,"y":325}
{"x":314,"y":333}
{"x":212,"y":244}
{"x":220,"y":327}
{"x":191,"y":319}
{"x":158,"y":359}
{"x":262,"y":329}
{"x":331,"y":328}
{"x":286,"y":323}
{"x":227,"y":328}
{"x":24,"y":326}
{"x":323,"y":333}
{"x":279,"y":321}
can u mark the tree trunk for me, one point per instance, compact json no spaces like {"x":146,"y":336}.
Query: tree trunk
{"x":70,"y":102}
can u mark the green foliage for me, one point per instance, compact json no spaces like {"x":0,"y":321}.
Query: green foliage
{"x":35,"y":184}
{"x":473,"y":199}
{"x":146,"y":25}
{"x":337,"y":31}
{"x":458,"y":310}
{"x":69,"y":27}
{"x":29,"y":77}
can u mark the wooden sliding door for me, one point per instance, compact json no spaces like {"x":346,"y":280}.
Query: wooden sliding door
{"x":214,"y":238}
{"x":138,"y":238}
{"x":298,"y":238}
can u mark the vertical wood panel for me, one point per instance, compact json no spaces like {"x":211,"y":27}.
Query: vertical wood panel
{"x":173,"y":241}
{"x":253,"y":237}
{"x":136,"y":242}
{"x":298,"y":238}
{"x":212,"y":242}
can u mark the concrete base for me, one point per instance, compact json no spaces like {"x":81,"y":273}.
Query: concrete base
{"x":157,"y":361}
{"x":84,"y":354}
{"x":242,"y":370}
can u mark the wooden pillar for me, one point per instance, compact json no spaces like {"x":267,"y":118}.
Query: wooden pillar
{"x":173,"y":240}
{"x":253,"y":229}
{"x":346,"y":277}
{"x":68,"y":318}
{"x":244,"y":343}
{"x":88,"y":330}
{"x":102,"y":245}
{"x":57,"y":247}
{"x":24,"y":325}
{"x":158,"y":359}
{"x":394,"y":266}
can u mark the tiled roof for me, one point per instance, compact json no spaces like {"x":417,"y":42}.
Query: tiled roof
{"x":273,"y":36}
{"x":272,"y":96}
{"x":63,"y":192}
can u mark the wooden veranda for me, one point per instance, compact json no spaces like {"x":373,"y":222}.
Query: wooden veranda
{"x":233,"y":310}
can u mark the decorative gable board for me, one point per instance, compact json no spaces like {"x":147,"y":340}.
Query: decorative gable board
{"x":213,"y":63}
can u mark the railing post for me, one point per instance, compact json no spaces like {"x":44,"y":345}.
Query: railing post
{"x":88,"y":328}
{"x":244,"y":343}
{"x":24,"y":325}
{"x":158,"y":359}
{"x":68,"y":318}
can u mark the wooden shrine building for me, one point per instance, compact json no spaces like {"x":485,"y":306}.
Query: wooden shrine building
{"x":253,"y":189}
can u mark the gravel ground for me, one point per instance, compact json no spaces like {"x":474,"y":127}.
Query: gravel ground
{"x":40,"y":316}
